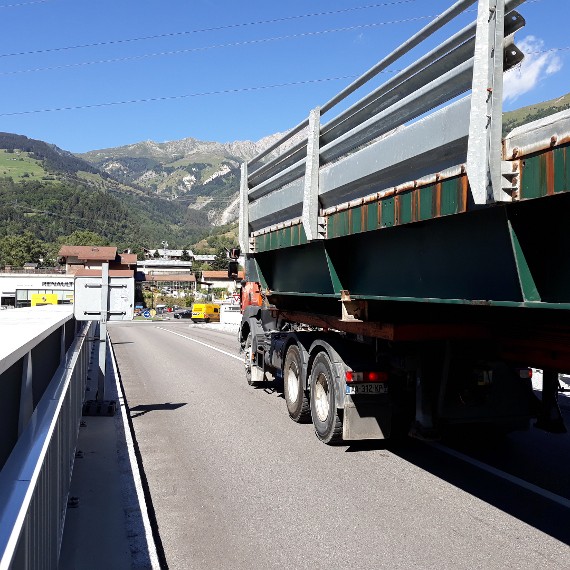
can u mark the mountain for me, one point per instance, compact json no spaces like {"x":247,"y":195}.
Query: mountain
{"x":22,"y":157}
{"x":52,"y":193}
{"x":184,"y":192}
{"x":202,"y":175}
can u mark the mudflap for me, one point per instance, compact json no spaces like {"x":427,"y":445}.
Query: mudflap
{"x":257,"y":374}
{"x":366,"y":417}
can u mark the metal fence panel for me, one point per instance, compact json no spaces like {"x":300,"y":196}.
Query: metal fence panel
{"x":35,"y":480}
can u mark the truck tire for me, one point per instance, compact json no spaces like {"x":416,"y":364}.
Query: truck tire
{"x":298,"y":404}
{"x":248,"y":358}
{"x":328,"y":425}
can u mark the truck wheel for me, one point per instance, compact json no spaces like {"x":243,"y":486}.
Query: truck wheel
{"x":328,"y":425}
{"x":248,"y":358}
{"x":298,"y":404}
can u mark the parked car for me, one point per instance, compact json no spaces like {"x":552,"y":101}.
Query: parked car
{"x":183,"y":314}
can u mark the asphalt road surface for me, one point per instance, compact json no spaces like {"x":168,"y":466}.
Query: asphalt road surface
{"x":234,"y":483}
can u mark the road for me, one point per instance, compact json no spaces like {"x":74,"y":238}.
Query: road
{"x":234,"y":483}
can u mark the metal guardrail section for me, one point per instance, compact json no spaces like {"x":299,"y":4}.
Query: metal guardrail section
{"x":538,"y":136}
{"x":36,"y":473}
{"x":412,"y":126}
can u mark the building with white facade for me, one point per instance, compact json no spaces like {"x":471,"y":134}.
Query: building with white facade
{"x":16,"y":289}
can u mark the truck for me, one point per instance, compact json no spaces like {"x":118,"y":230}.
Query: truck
{"x":406,"y":263}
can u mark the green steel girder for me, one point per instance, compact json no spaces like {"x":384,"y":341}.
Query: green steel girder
{"x":509,"y":255}
{"x":545,"y":174}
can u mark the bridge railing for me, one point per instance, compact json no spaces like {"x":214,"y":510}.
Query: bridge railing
{"x":44,"y":362}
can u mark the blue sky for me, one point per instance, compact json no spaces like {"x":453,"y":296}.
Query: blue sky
{"x":208,"y":69}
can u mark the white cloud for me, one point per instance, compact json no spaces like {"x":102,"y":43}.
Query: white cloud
{"x":533,"y":69}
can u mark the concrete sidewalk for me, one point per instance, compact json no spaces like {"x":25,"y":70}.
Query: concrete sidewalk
{"x":107,"y":524}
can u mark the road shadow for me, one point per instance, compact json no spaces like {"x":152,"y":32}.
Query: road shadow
{"x":533,"y":509}
{"x":366,"y":445}
{"x":125,"y":342}
{"x":271,"y":387}
{"x":146,"y":408}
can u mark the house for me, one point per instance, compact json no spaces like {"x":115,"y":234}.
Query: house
{"x":168,"y":282}
{"x":164,"y":266}
{"x":204,"y":258}
{"x":219,"y":280}
{"x":166,"y":253}
{"x":80,"y":257}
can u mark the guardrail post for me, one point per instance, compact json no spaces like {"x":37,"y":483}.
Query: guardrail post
{"x":103,"y":331}
{"x":62,"y":344}
{"x":26,"y":393}
{"x":485,"y":125}
{"x":310,"y":215}
{"x":243,"y":210}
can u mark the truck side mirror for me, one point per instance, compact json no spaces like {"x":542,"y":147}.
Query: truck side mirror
{"x":235,"y":253}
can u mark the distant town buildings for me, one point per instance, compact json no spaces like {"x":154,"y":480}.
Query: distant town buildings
{"x":18,"y":285}
{"x":165,"y":272}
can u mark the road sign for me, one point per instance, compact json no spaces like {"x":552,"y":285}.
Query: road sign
{"x":118,"y":306}
{"x":146,"y":314}
{"x":153,"y":312}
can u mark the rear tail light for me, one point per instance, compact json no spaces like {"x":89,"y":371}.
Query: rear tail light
{"x":525,"y":373}
{"x":352,"y":376}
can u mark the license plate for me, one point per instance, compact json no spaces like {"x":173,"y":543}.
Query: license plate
{"x":367,"y":389}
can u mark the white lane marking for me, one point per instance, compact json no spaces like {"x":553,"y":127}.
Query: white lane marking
{"x":240,"y":358}
{"x":511,"y":478}
{"x":137,"y":481}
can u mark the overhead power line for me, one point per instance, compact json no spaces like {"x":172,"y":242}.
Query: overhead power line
{"x":203,"y":30}
{"x":218,"y":92}
{"x":217,"y":46}
{"x":23,"y":4}
{"x":174,"y":97}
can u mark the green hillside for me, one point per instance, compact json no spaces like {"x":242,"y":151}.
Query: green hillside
{"x":51,"y":193}
{"x":52,"y":209}
{"x":514,"y":119}
{"x":19,"y":165}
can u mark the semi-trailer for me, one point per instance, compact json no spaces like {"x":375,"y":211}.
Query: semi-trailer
{"x":406,"y":264}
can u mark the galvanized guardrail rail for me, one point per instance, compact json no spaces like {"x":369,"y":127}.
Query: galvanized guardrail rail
{"x":44,"y":357}
{"x":412,"y":131}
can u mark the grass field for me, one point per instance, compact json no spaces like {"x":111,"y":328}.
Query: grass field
{"x":18,"y":165}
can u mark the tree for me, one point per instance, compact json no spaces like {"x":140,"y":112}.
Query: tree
{"x":19,"y":249}
{"x":185,"y":256}
{"x":83,"y":237}
{"x":221,"y":261}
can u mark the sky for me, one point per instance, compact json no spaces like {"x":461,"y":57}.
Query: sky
{"x":88,"y":75}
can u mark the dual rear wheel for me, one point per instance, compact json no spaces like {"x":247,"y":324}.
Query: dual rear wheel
{"x":321,"y":405}
{"x":298,"y":404}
